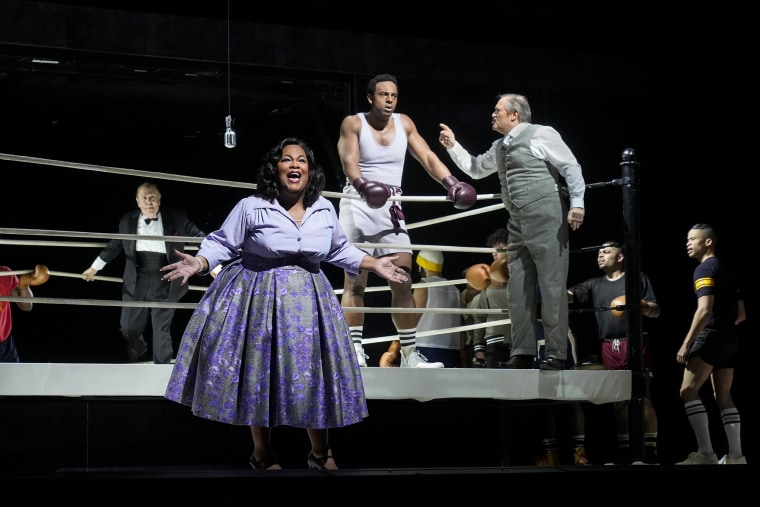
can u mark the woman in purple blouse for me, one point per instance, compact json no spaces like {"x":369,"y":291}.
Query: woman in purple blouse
{"x":268,"y":344}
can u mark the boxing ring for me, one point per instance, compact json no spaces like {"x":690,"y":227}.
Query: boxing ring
{"x":88,"y":384}
{"x":129,"y":380}
{"x":56,"y":379}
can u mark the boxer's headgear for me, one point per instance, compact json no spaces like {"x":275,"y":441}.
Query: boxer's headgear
{"x":430,"y":260}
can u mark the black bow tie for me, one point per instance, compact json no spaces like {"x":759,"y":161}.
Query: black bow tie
{"x":149,"y":220}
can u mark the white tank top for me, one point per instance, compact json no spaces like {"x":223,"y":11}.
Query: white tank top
{"x":382,"y":163}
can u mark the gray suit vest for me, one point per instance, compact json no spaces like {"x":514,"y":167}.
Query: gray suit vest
{"x":523,"y":177}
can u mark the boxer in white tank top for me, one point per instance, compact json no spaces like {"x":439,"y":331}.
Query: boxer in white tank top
{"x":385,"y":164}
{"x":372,"y":150}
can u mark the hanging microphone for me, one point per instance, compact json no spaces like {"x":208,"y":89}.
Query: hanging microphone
{"x":230,"y":137}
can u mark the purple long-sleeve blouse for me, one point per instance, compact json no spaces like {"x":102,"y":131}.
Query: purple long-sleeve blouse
{"x":265,"y":229}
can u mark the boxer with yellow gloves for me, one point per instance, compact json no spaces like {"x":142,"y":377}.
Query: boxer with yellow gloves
{"x":11,"y":285}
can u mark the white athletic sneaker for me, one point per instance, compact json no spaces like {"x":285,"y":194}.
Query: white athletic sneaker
{"x":695,"y":458}
{"x":728,"y":460}
{"x":417,"y":360}
{"x":360,"y":355}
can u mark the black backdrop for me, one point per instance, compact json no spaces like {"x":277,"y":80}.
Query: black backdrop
{"x":141,"y":88}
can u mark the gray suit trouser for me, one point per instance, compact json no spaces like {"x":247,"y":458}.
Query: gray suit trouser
{"x":538,"y":251}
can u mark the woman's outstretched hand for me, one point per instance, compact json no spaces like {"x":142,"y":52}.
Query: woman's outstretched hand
{"x":186,"y":267}
{"x":384,"y":267}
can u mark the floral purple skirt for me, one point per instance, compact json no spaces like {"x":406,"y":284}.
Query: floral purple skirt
{"x":269,"y":348}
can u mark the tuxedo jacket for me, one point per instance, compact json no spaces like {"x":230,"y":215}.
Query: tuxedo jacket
{"x":175,"y":223}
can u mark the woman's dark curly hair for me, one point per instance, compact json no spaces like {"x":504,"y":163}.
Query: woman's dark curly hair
{"x":267,"y":185}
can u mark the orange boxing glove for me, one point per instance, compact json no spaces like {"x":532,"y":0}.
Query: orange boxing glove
{"x":40,"y":276}
{"x":620,"y":301}
{"x":615,"y":303}
{"x":479,"y":276}
{"x":500,"y":270}
{"x":391,"y":357}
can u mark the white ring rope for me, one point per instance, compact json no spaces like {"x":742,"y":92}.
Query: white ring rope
{"x":408,"y":198}
{"x":51,"y":243}
{"x":192,"y":306}
{"x":427,"y":247}
{"x":100,"y":302}
{"x":209,"y":181}
{"x":193,"y":239}
{"x":76,"y":234}
{"x":455,"y":216}
{"x":434,"y":332}
{"x":237,"y":184}
{"x":128,"y":172}
{"x":79,"y":275}
{"x":378,"y":288}
{"x":381,"y":288}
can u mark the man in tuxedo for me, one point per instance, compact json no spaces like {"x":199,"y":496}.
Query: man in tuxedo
{"x":142,"y":278}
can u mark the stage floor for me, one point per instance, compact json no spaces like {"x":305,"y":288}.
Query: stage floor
{"x":92,"y":432}
{"x":225,"y":486}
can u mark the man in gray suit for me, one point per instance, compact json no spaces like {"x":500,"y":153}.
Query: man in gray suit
{"x":538,"y":175}
{"x":142,"y":278}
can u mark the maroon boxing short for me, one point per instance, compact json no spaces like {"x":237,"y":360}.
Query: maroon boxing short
{"x":615,"y":354}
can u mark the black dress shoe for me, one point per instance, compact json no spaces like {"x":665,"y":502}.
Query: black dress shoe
{"x":552,"y":364}
{"x":519,"y":363}
{"x":134,"y":356}
{"x":590,"y":363}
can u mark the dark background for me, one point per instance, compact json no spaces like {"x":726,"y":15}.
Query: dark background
{"x":146,"y":86}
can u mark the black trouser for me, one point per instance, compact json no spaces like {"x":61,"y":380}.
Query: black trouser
{"x":497,"y":353}
{"x":149,"y":287}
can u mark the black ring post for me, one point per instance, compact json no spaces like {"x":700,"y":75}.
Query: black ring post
{"x":632,"y":249}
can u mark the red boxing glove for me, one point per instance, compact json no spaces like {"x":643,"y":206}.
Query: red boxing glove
{"x":40,"y":276}
{"x":375,"y":193}
{"x":463,"y":195}
{"x":479,"y":276}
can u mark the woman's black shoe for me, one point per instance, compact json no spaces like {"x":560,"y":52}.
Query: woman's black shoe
{"x":262,"y":464}
{"x":317,"y":463}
